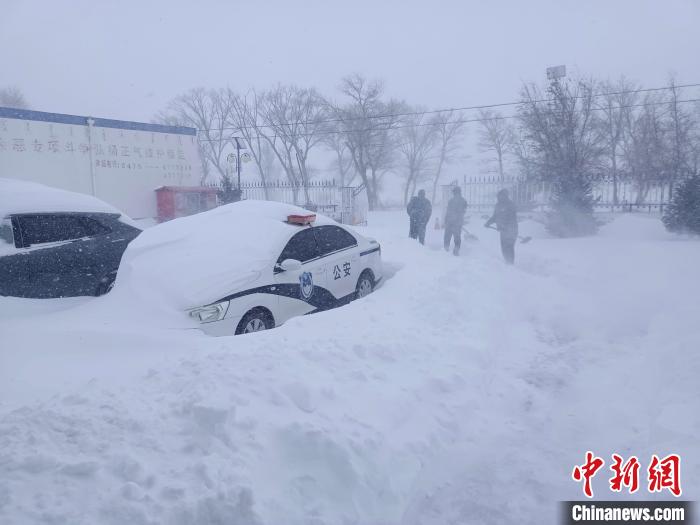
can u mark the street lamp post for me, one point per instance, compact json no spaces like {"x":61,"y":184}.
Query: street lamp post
{"x":237,"y":193}
{"x":238,"y":161}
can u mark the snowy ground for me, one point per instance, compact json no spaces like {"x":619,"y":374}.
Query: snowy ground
{"x":462,"y":391}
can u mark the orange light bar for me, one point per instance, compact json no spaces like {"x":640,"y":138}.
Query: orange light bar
{"x":302,"y":220}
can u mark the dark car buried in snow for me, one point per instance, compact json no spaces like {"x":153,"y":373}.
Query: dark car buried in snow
{"x":56,"y":243}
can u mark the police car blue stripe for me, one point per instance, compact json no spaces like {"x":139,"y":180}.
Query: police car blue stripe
{"x":321,"y":298}
{"x":336,"y":303}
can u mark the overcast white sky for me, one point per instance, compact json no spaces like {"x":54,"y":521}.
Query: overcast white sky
{"x":125,"y":59}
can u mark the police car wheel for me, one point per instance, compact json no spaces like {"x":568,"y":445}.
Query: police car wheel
{"x":255,"y":321}
{"x":365,"y":285}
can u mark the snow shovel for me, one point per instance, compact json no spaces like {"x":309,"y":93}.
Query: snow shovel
{"x":523,"y":240}
{"x":469,"y":236}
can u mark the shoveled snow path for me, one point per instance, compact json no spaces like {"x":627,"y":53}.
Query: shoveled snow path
{"x":462,"y":391}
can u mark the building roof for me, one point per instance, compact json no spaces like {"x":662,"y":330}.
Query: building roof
{"x":41,"y":116}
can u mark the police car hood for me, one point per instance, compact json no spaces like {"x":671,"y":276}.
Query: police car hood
{"x":193,"y":261}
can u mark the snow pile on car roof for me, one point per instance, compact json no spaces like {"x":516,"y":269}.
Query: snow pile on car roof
{"x":196,"y":260}
{"x":19,"y":196}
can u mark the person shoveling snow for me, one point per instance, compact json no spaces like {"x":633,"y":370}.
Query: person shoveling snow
{"x":454,"y":220}
{"x":506,"y":218}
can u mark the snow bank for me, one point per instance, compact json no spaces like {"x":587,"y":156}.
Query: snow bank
{"x":638,"y":227}
{"x":462,"y":391}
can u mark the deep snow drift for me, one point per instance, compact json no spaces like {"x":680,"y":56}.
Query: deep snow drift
{"x":462,"y":391}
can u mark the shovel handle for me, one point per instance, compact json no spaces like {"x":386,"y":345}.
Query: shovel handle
{"x":522,"y":239}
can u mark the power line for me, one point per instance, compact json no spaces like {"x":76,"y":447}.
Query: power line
{"x":453,"y":109}
{"x":467,"y":121}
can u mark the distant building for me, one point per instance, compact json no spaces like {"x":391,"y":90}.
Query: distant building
{"x":120,"y":162}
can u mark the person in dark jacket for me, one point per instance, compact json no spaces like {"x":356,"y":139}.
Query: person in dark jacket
{"x":506,"y":218}
{"x":454,"y":220}
{"x":419,"y":211}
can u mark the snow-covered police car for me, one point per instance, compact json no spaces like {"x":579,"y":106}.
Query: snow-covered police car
{"x":252,"y":265}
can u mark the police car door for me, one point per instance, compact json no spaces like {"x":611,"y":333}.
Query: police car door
{"x":300,"y":291}
{"x":338,"y":250}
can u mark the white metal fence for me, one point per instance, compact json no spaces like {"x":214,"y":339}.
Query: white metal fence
{"x":480,"y":192}
{"x":346,"y":204}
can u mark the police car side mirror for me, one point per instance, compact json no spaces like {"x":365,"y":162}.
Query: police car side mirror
{"x":290,"y":265}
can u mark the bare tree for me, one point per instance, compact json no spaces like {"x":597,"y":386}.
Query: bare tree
{"x":170,"y":119}
{"x":495,"y":135}
{"x":336,"y":142}
{"x":449,"y":129}
{"x":520,"y":147}
{"x":294,"y":123}
{"x":681,"y":126}
{"x":695,"y":142}
{"x":12,"y":97}
{"x":368,"y":124}
{"x":561,"y":130}
{"x":381,"y":154}
{"x":645,"y":144}
{"x":245,"y":118}
{"x":565,"y":148}
{"x":210,"y":112}
{"x":659,"y":141}
{"x":615,"y":102}
{"x":417,"y":142}
{"x":269,"y":164}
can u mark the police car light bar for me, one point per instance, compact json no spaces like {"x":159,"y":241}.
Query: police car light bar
{"x":302,"y":220}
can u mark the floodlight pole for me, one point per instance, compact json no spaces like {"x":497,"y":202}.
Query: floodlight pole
{"x":555,"y":73}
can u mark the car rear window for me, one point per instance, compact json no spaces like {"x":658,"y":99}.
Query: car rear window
{"x":333,"y":238}
{"x":39,"y":229}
